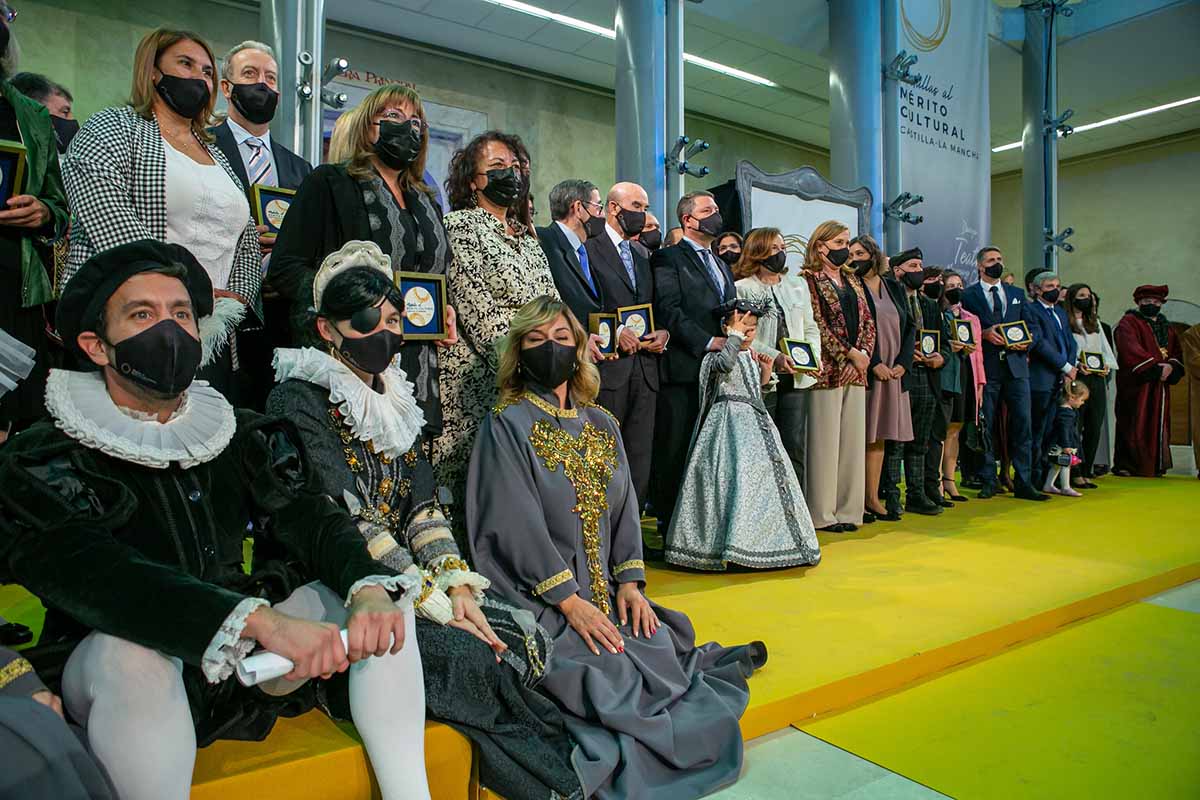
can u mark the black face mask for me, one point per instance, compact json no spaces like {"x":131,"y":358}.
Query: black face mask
{"x":373,"y":353}
{"x":64,"y":131}
{"x":994,"y":271}
{"x":651,"y":240}
{"x":503,"y":186}
{"x":594,"y":227}
{"x":730,"y":257}
{"x":187,"y":97}
{"x":631,"y":222}
{"x":712,"y":225}
{"x":776,"y":262}
{"x":861,"y":268}
{"x":839,"y":256}
{"x":549,"y":365}
{"x":932,"y":290}
{"x":163,"y":358}
{"x":953,"y":296}
{"x":1050,"y":296}
{"x":254,"y":101}
{"x":1083,"y":304}
{"x":1149,"y":309}
{"x":399,"y":143}
{"x":913,"y":280}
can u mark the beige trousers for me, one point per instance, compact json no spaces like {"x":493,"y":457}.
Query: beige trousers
{"x":837,"y":454}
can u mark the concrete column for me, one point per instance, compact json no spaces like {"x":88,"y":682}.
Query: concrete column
{"x":641,"y":95}
{"x":856,"y":132}
{"x":296,"y":31}
{"x":674,"y":123}
{"x":1039,"y":100}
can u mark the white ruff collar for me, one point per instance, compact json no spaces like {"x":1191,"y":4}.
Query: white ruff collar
{"x":390,"y":421}
{"x":82,"y":409}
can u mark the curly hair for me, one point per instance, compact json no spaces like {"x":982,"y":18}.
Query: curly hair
{"x":464,"y":165}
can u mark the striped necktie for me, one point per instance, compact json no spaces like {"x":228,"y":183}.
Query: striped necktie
{"x":261,"y":171}
{"x":627,"y":260}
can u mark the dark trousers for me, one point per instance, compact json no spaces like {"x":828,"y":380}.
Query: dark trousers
{"x":926,"y":405}
{"x":788,"y":407}
{"x":1014,"y":394}
{"x":634,"y":405}
{"x":1042,"y":407}
{"x":933,"y":456}
{"x":676,"y":412}
{"x":1091,"y":421}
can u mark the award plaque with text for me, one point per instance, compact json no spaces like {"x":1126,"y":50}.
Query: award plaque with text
{"x":1092,"y":363}
{"x":963,"y":333}
{"x":801,"y":353}
{"x":1015,"y":333}
{"x":605,"y":326}
{"x":930,"y":341}
{"x":12,"y":171}
{"x":270,"y":205}
{"x":639,"y":319}
{"x":424,"y":305}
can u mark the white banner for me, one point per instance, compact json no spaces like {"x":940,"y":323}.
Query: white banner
{"x":944,"y":148}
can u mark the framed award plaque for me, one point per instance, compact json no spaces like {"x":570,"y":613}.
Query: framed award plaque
{"x":604,"y":326}
{"x":929,"y":341}
{"x":963,"y":334}
{"x":12,"y":171}
{"x":801,"y":353}
{"x":424,"y":305}
{"x":1015,"y":333}
{"x":270,"y":205}
{"x":1091,"y":363}
{"x":639,"y":319}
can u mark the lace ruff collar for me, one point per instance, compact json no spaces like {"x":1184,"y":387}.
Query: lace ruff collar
{"x":197,"y":433}
{"x":390,"y":421}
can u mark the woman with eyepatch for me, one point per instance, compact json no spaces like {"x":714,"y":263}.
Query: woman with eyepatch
{"x":372,"y":190}
{"x":498,"y":266}
{"x":360,"y":425}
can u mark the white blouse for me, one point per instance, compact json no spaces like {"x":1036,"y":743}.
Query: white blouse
{"x":793,"y":295}
{"x":1096,"y":343}
{"x":206,"y":213}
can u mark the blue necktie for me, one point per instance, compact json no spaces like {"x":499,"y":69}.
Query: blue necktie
{"x":627,"y":260}
{"x":585,"y":269}
{"x":717,"y":278}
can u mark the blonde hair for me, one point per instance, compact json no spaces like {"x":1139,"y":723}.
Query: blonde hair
{"x":339,"y":140}
{"x":357,"y":149}
{"x":145,"y":61}
{"x":826,"y":231}
{"x":584,"y":384}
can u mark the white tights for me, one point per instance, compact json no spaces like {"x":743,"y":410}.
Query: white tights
{"x":1061,"y":474}
{"x":132,"y":702}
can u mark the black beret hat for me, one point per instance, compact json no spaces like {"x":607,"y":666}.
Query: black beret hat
{"x":741,"y":305}
{"x":907,"y":255}
{"x":83,"y":298}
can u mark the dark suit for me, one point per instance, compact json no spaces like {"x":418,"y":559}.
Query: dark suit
{"x":581,"y":298}
{"x":628,"y":385}
{"x":685,"y":297}
{"x":1007,"y":379}
{"x":1053,"y":346}
{"x":255,"y":347}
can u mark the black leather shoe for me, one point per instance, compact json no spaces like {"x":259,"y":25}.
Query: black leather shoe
{"x":925,"y":508}
{"x":944,"y":503}
{"x":834,"y":528}
{"x":987,"y":491}
{"x":758,"y":654}
{"x":868,"y":518}
{"x":1028,"y":493}
{"x":849,"y":527}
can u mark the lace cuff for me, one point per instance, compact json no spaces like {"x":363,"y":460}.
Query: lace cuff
{"x":408,"y":583}
{"x":228,"y":647}
{"x":435,"y":605}
{"x":451,"y":571}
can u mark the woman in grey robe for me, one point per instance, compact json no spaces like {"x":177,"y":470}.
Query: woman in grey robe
{"x":552,"y":520}
{"x":740,"y":501}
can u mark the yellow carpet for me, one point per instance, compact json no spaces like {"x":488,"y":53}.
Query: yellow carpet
{"x":1106,"y":709}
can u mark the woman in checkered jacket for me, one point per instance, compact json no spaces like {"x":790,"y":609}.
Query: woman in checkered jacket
{"x":150,"y":170}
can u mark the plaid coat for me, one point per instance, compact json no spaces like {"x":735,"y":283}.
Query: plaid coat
{"x":116,"y":176}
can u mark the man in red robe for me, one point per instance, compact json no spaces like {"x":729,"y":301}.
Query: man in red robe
{"x":1151,"y":361}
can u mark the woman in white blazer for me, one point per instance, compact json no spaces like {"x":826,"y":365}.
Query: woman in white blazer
{"x":763,"y":276}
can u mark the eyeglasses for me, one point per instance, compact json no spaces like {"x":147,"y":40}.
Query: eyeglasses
{"x":392,"y":116}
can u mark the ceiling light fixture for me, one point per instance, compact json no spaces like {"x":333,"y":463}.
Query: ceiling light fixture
{"x":1113,"y":120}
{"x":609,"y":33}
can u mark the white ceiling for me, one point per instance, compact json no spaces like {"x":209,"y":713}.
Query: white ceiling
{"x":1140,"y":62}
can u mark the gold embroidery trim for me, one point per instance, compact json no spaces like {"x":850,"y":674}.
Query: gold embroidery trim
{"x":635,"y":563}
{"x":13,"y":670}
{"x":588,"y":463}
{"x":449,"y":563}
{"x":554,"y":411}
{"x":551,"y":582}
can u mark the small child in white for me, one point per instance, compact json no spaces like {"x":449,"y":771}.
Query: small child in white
{"x":1063,"y":439}
{"x":740,"y":501}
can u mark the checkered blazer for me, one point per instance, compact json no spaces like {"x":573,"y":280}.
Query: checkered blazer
{"x":116,"y":173}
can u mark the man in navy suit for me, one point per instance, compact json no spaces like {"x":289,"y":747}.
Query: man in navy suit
{"x":689,"y":283}
{"x":1052,"y":357}
{"x":249,"y":78}
{"x":1007,"y":368}
{"x":573,"y":204}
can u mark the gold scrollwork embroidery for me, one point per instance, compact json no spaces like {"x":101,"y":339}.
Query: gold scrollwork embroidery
{"x":588,"y":463}
{"x":635,"y":563}
{"x":551,"y":582}
{"x":13,"y":670}
{"x":554,"y":411}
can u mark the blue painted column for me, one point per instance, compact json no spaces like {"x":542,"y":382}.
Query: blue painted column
{"x":1039,"y":147}
{"x":856,"y":101}
{"x":295,"y":29}
{"x":641,"y":83}
{"x":674,"y":123}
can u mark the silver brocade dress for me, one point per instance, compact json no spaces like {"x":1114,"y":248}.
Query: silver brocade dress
{"x":551,"y":512}
{"x":740,"y":501}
